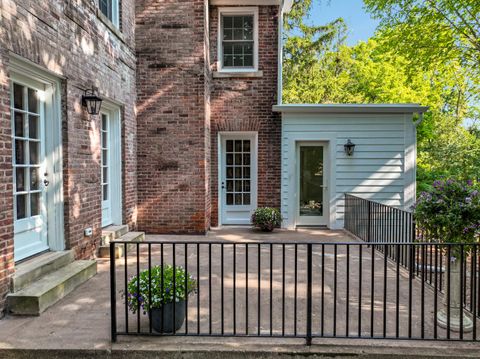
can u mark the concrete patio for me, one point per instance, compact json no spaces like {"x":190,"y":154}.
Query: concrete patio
{"x":79,"y":325}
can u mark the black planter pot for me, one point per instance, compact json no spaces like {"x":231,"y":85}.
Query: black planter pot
{"x":167,"y":314}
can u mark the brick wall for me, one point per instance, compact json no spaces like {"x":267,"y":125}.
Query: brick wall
{"x":245,"y":104}
{"x":172,"y":116}
{"x":67,"y":38}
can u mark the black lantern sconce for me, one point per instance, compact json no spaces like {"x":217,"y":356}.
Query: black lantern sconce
{"x":349,"y":148}
{"x":92,"y":102}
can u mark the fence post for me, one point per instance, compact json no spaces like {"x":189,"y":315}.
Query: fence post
{"x":309,"y":295}
{"x":369,"y":220}
{"x":113,"y":293}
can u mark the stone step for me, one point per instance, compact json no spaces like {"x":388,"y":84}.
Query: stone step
{"x":104,"y":250}
{"x":31,"y":270}
{"x":113,"y":232}
{"x":49,"y":289}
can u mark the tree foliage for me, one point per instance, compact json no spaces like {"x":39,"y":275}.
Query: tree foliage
{"x":390,"y":68}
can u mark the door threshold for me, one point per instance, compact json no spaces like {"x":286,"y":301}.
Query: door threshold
{"x":307,"y":226}
{"x":33,"y":256}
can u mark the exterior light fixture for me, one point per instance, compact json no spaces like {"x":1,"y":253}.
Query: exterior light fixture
{"x":92,"y":102}
{"x":349,"y":148}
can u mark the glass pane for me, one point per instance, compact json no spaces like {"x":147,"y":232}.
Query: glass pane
{"x":20,"y":152}
{"x":34,"y":204}
{"x":18,"y":96}
{"x":105,"y":174}
{"x":246,"y":159}
{"x":238,"y":159}
{"x":238,"y":34}
{"x":248,"y":60}
{"x":311,"y":181}
{"x":246,"y":186}
{"x":228,"y":49}
{"x":246,"y":172}
{"x":238,"y":198}
{"x":238,"y":172}
{"x":32,"y":100}
{"x":238,"y":146}
{"x":104,"y":139}
{"x":104,"y":122}
{"x":228,"y":34}
{"x":34,"y":178}
{"x":246,"y":198}
{"x":105,"y":192}
{"x":227,"y":60}
{"x":229,"y":198}
{"x":229,"y":186}
{"x":19,"y":128}
{"x":229,"y":172}
{"x":104,"y":157}
{"x":246,"y":146}
{"x":229,"y":159}
{"x":238,"y":22}
{"x":229,"y":145}
{"x":227,"y":22}
{"x":238,"y":61}
{"x":33,"y":126}
{"x":238,"y":186}
{"x":20,"y":179}
{"x":21,"y":206}
{"x":34,"y":153}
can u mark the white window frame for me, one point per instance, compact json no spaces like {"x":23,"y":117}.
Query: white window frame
{"x":236,"y":11}
{"x":115,"y":13}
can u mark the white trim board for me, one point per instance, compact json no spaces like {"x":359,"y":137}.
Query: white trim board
{"x":350,"y":108}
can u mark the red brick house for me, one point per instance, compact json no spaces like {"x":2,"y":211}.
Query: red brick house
{"x":191,"y":133}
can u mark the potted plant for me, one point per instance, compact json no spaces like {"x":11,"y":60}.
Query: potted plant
{"x":450,"y":213}
{"x":266,"y":218}
{"x":168,"y":285}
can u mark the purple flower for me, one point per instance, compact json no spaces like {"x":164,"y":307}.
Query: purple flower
{"x":469,"y":182}
{"x":474,"y":193}
{"x":468,"y":200}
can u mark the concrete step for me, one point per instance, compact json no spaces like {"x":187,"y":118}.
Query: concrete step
{"x":113,"y":232}
{"x":49,"y":289}
{"x":104,"y":250}
{"x":31,"y":270}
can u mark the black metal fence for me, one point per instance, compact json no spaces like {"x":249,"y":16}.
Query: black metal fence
{"x":304,"y":290}
{"x":374,"y":222}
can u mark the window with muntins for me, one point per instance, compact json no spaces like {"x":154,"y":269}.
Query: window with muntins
{"x":237,"y":40}
{"x":110,"y":8}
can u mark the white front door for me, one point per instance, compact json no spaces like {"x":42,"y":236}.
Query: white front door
{"x":312,"y":208}
{"x":30,"y":172}
{"x":105,"y":134}
{"x":238,"y":178}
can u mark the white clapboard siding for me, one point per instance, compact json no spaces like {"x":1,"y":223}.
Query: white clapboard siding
{"x":382,"y":167}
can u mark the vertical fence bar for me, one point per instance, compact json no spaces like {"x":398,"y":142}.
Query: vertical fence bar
{"x":335,"y":250}
{"x":162,"y":324}
{"x":186,"y":287}
{"x":369,"y":221}
{"x":435,"y":295}
{"x":385,"y":251}
{"x":474,"y":291}
{"x":198,"y":288}
{"x":360,"y":251}
{"x":210,"y":288}
{"x":309,"y":295}
{"x":125,"y":279}
{"x":138,"y":285}
{"x":113,"y":294}
{"x":410,"y":287}
{"x":246,"y":289}
{"x":462,"y":284}
{"x":322,"y":290}
{"x":271,"y":289}
{"x":174,"y":254}
{"x":150,"y":286}
{"x":449,"y":284}
{"x":397,"y":293}
{"x":222,"y":289}
{"x":422,"y":301}
{"x":283,"y":289}
{"x":347,"y":299}
{"x":234,"y":289}
{"x":259,"y":290}
{"x":295,"y":292}
{"x":372,"y":293}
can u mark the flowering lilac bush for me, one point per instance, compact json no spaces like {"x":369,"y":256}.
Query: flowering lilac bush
{"x":139,"y":292}
{"x":450,"y":212}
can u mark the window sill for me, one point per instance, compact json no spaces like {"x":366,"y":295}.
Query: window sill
{"x":106,"y":21}
{"x":242,"y":74}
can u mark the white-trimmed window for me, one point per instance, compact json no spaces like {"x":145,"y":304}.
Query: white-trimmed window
{"x":238,"y":39}
{"x":111,"y":10}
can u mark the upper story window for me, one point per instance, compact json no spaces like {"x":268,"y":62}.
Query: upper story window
{"x":238,"y":39}
{"x":111,"y":9}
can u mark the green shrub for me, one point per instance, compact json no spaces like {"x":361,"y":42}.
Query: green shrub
{"x":138,"y":294}
{"x":266,"y":218}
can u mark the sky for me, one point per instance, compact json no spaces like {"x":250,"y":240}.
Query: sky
{"x":359,"y":23}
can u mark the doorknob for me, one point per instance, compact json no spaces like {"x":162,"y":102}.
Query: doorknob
{"x":46,"y":182}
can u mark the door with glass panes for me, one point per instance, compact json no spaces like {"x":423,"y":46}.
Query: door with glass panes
{"x":30,"y":172}
{"x":105,"y":139}
{"x":238,"y":178}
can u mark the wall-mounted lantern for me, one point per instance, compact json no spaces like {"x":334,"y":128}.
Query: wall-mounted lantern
{"x":349,"y":148}
{"x":92,"y":102}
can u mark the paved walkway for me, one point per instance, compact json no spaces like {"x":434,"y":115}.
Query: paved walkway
{"x":81,"y":321}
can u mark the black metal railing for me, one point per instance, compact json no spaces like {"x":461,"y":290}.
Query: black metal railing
{"x":375,"y":222}
{"x":302,"y":289}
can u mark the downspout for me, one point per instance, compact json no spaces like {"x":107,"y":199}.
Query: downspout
{"x":419,"y":121}
{"x":280,"y":55}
